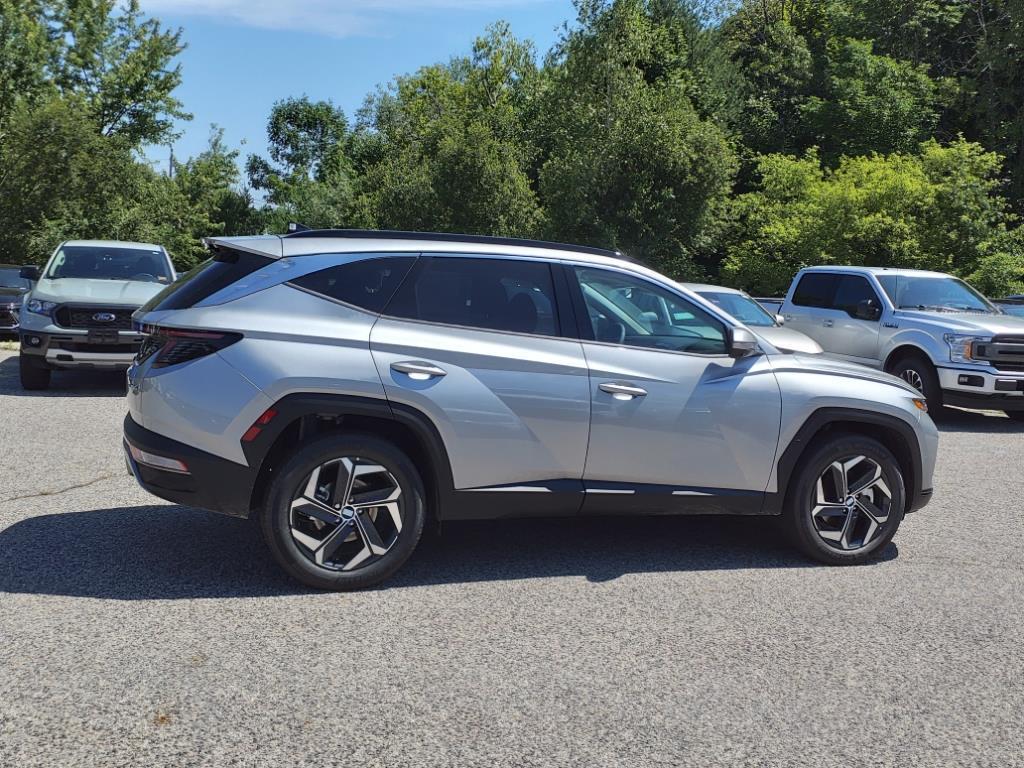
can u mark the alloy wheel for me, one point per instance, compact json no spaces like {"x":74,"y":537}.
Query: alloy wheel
{"x":913,"y":378}
{"x":851,"y":504}
{"x":347,"y":513}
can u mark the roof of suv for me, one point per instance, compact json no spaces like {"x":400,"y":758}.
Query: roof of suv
{"x":877,"y":271}
{"x":353,"y":241}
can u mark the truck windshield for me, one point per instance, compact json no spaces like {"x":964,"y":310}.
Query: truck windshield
{"x":10,"y":277}
{"x":96,"y":262}
{"x":939,"y":293}
{"x":742,"y":307}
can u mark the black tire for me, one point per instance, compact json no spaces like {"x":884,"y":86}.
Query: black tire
{"x":298,"y":560}
{"x":801,"y":500}
{"x":1015,"y":415}
{"x":918,"y":371}
{"x":34,"y":374}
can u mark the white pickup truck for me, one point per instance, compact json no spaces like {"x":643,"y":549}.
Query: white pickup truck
{"x":932,"y":330}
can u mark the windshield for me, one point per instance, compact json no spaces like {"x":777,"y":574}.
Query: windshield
{"x":96,"y":262}
{"x":935,"y":293}
{"x":11,"y":278}
{"x":740,"y":306}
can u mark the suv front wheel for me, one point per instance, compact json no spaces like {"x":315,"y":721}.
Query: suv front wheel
{"x":345,"y":512}
{"x":847,"y":501}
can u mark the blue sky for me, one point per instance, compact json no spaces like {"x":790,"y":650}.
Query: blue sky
{"x":243,"y":55}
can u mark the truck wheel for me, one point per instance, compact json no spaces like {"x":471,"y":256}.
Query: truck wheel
{"x":34,"y":375}
{"x":847,"y":500}
{"x":920,"y":374}
{"x":345,"y":512}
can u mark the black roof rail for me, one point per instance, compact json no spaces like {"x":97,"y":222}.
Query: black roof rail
{"x":456,"y":238}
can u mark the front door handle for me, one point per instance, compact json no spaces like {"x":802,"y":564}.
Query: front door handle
{"x":621,"y":391}
{"x":419,"y":371}
{"x":828,"y":323}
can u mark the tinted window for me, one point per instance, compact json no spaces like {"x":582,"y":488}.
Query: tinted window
{"x":627,"y":310}
{"x":367,"y":283}
{"x":815,"y":289}
{"x":206,"y":279}
{"x":10,"y":277}
{"x":851,"y":290}
{"x":495,"y":294}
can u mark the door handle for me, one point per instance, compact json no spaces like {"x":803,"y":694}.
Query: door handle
{"x":828,"y":323}
{"x":622,"y":391}
{"x":419,"y":371}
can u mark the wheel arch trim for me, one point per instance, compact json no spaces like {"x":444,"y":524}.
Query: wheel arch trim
{"x":824,"y":419}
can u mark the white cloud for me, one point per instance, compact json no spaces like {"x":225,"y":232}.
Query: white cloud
{"x":337,"y":18}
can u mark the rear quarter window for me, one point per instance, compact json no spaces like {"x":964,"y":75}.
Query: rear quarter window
{"x":368,"y":283}
{"x":203,"y":281}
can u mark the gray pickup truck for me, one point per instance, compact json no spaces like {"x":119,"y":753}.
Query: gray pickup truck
{"x":78,"y":313}
{"x":931,"y":329}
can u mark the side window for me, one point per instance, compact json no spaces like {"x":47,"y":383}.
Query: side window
{"x":815,"y":289}
{"x":852,"y":290}
{"x":627,"y":310}
{"x":511,"y":295}
{"x":368,"y":283}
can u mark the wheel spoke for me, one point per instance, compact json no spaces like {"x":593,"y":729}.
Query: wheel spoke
{"x":317,"y":509}
{"x":833,"y":510}
{"x":332,"y":541}
{"x":872,"y":511}
{"x":369,"y":533}
{"x":342,"y":490}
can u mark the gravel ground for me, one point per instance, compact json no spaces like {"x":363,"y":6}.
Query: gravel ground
{"x":133,"y":632}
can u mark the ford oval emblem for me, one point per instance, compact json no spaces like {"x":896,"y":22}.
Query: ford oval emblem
{"x":104,"y":317}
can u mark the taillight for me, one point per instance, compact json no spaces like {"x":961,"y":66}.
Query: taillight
{"x":173,"y":346}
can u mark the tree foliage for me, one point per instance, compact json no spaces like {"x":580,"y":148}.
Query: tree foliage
{"x":731,"y":140}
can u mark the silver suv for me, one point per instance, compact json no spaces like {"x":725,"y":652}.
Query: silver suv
{"x":342,"y":387}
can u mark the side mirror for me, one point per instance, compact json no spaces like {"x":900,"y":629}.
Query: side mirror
{"x":30,"y":272}
{"x":780,"y":320}
{"x":742,"y":343}
{"x":866,"y":309}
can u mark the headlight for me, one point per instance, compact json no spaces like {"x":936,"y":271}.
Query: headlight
{"x":37,"y":307}
{"x":961,"y":346}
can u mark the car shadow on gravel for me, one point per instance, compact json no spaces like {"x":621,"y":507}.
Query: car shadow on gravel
{"x":983,"y":422}
{"x":169,"y":552}
{"x":63,"y":383}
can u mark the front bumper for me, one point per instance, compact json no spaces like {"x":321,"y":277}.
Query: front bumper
{"x":212,"y":483}
{"x":80,"y":349}
{"x":982,"y":387}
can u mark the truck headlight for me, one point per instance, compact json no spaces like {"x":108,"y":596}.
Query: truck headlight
{"x":961,"y":346}
{"x":37,"y":307}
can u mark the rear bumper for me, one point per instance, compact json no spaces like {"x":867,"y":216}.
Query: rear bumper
{"x":212,"y":482}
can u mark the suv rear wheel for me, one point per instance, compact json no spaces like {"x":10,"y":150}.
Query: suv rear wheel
{"x":34,"y":374}
{"x":847,"y":501}
{"x":345,"y":512}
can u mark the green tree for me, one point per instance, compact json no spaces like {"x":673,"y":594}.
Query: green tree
{"x":630,"y":163}
{"x":939,"y":209}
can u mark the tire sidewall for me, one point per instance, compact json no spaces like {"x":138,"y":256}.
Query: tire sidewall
{"x":800,"y":498}
{"x":929,"y":378}
{"x":275,"y":522}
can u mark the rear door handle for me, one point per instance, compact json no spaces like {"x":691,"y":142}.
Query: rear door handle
{"x":622,"y":391}
{"x":419,"y":371}
{"x":828,"y":323}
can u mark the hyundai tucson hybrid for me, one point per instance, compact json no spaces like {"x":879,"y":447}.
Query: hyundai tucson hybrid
{"x":78,"y":313}
{"x":343,"y":387}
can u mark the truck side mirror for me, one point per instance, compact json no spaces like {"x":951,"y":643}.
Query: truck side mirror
{"x":867,"y":309}
{"x":29,"y":272}
{"x":742,"y":343}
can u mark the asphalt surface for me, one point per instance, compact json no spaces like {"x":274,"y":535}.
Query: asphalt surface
{"x":133,"y":632}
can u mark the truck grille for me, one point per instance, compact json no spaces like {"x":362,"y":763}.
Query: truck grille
{"x":86,"y":317}
{"x":8,"y":319}
{"x":1006,"y":353}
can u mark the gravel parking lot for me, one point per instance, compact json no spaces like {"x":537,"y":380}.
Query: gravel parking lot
{"x":134,"y":632}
